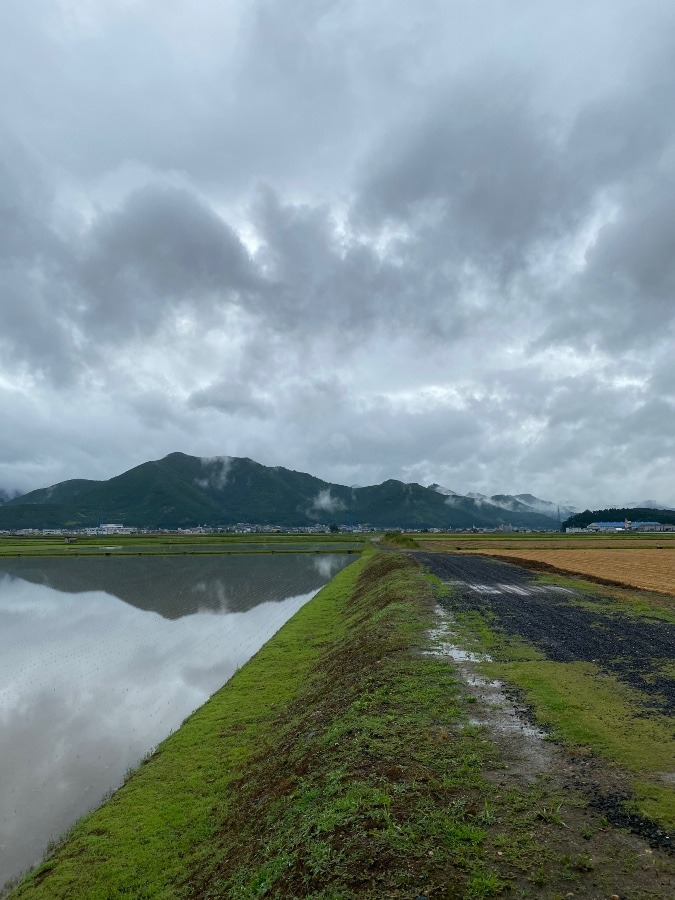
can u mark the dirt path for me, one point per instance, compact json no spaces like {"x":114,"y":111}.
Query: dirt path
{"x":565,"y":626}
{"x":630,"y":648}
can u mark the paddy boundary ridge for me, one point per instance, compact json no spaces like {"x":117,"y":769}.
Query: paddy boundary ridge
{"x":348,"y":758}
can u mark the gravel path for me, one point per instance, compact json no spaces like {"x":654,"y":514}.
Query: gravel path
{"x":631,"y":648}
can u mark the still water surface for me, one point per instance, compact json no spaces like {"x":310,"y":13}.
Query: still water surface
{"x":100,"y":659}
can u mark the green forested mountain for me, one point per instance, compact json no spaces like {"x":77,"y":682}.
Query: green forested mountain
{"x":58,"y":494}
{"x":182,"y":490}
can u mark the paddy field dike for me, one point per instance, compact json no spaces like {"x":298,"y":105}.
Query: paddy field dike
{"x":438,"y":721}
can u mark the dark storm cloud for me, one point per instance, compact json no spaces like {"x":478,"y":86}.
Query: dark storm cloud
{"x":437,"y":241}
{"x":36,"y":304}
{"x":318,"y":280}
{"x":163,"y":247}
{"x":482,"y":168}
{"x":63,"y":293}
{"x":626,"y":292}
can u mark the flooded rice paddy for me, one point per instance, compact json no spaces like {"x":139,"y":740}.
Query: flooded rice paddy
{"x":101,"y":658}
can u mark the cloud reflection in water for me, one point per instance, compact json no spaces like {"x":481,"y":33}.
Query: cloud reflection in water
{"x":89,"y":683}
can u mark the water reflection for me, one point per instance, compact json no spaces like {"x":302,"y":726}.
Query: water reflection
{"x":88,"y":683}
{"x":175,"y":586}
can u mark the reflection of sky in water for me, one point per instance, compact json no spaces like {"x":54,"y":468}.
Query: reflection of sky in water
{"x":89,"y":683}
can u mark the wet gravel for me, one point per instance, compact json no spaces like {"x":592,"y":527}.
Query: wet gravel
{"x":632,"y":649}
{"x":613,"y":808}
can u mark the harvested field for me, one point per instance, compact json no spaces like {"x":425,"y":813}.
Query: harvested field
{"x":490,"y":542}
{"x":652,"y":569}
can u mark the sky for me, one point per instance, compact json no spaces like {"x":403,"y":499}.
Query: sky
{"x":432,"y":241}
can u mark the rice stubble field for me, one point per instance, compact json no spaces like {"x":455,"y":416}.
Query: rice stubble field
{"x":651,"y":569}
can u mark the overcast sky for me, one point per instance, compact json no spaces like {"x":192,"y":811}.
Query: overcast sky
{"x":426,"y":240}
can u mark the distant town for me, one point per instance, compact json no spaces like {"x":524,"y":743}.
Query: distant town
{"x":109,"y":529}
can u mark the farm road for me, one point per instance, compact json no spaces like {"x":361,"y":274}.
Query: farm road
{"x":631,"y":648}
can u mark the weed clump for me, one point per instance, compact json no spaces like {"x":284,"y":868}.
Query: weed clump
{"x":398,"y":539}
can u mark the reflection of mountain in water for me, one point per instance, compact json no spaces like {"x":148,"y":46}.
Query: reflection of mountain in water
{"x":181,"y":586}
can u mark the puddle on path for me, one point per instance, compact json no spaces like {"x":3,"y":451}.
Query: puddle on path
{"x":528,"y":753}
{"x":514,"y":589}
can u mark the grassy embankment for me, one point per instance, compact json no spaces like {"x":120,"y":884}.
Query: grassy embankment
{"x":339,"y":762}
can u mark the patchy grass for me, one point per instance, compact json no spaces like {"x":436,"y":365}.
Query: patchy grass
{"x":655,"y":800}
{"x":583,"y":708}
{"x":371,"y":785}
{"x":400,"y":540}
{"x":612,"y":599}
{"x":586,"y":708}
{"x":479,"y":633}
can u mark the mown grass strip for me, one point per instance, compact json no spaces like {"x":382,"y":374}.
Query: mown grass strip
{"x":370,"y":785}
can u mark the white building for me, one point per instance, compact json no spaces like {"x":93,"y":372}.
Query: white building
{"x":112,"y":529}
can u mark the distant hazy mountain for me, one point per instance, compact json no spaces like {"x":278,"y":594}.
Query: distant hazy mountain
{"x":547,"y":507}
{"x":182,"y":490}
{"x":6,"y":496}
{"x":520,"y":503}
{"x":648,"y":504}
{"x":443,"y":490}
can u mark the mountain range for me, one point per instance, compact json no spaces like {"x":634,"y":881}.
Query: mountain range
{"x":182,"y":491}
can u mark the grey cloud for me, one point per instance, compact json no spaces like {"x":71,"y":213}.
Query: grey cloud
{"x":163,"y":247}
{"x":479,"y":205}
{"x":479,"y":163}
{"x":231,"y":398}
{"x":217,"y":472}
{"x":629,"y":280}
{"x":35,"y":303}
{"x":320,"y":282}
{"x":325,"y":502}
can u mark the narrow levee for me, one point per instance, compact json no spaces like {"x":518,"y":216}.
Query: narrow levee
{"x":353,"y":757}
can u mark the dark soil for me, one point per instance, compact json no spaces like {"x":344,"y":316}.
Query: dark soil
{"x":631,"y":649}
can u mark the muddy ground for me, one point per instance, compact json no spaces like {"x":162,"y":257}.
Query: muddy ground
{"x":632,"y":649}
{"x":547,"y":616}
